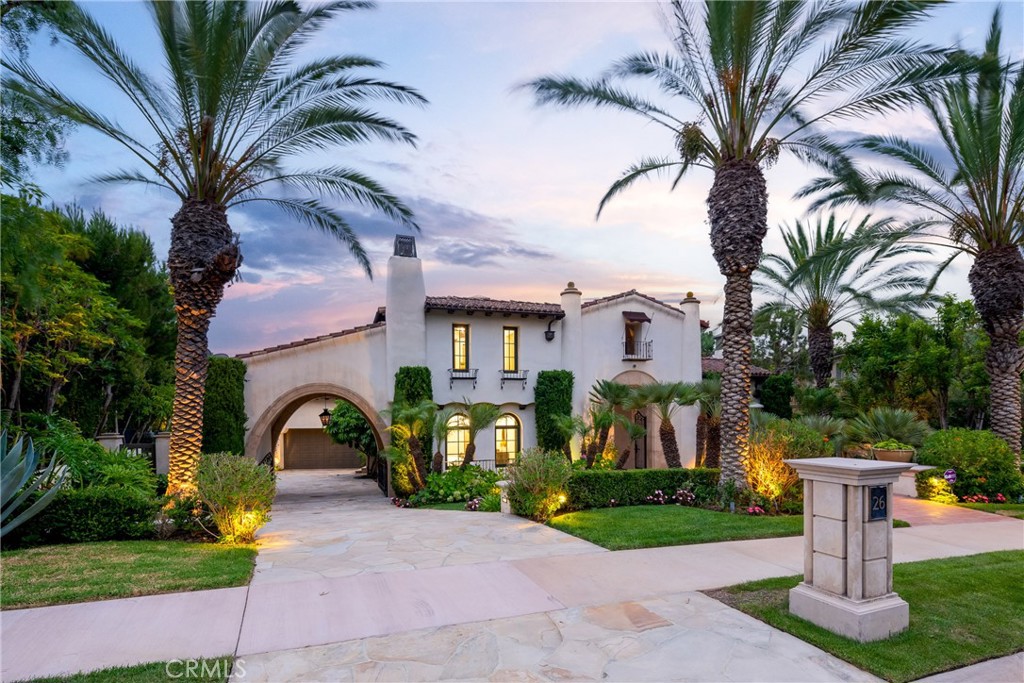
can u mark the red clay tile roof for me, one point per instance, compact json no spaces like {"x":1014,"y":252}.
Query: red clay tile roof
{"x":632,"y":292}
{"x":486,"y":305}
{"x":718,"y":365}
{"x":311,"y":340}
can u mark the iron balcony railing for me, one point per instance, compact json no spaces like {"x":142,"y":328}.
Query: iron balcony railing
{"x":454,"y":375}
{"x":514,"y":376}
{"x":638,"y":350}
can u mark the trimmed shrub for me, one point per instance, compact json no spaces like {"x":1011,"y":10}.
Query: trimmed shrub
{"x":537,"y":484}
{"x":931,"y":486}
{"x":456,"y":485}
{"x":776,"y":393}
{"x":767,"y":475}
{"x":598,"y":488}
{"x":238,"y":492}
{"x":413,"y":384}
{"x":553,"y":396}
{"x":96,"y":513}
{"x":224,"y":406}
{"x":984,"y":463}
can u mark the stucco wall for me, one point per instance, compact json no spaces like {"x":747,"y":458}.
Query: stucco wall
{"x":356,"y":362}
{"x":485,"y":354}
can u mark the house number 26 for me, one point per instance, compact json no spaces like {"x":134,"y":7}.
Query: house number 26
{"x":879,"y":499}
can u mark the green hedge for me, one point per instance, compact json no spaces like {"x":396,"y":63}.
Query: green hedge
{"x":984,"y":463}
{"x":224,"y":407}
{"x":97,"y":513}
{"x":596,"y":488}
{"x":553,"y":396}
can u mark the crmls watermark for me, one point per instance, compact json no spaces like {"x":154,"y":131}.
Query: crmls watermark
{"x":205,"y":669}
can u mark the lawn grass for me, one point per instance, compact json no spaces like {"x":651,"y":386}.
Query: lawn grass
{"x":60,"y":574}
{"x":652,"y":526}
{"x":1006,"y":509}
{"x":158,"y":672}
{"x":963,"y":610}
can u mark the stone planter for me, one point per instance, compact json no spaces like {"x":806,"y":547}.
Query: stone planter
{"x":888,"y":455}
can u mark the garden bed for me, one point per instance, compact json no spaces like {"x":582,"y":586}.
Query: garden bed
{"x":61,"y":574}
{"x":963,"y":610}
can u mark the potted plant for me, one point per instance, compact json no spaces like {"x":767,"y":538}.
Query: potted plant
{"x":893,"y":451}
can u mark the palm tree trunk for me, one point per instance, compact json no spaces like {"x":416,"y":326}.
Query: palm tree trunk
{"x":203,"y":259}
{"x":438,"y":463}
{"x":738,"y":212}
{"x":702,"y":440}
{"x":467,"y":460}
{"x":997,"y":283}
{"x":713,"y":447}
{"x":821,"y":346}
{"x":623,"y":457}
{"x":669,"y":445}
{"x":416,"y":450}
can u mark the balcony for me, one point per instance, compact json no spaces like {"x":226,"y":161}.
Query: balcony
{"x":638,"y":350}
{"x":455,"y":375}
{"x":514,"y":376}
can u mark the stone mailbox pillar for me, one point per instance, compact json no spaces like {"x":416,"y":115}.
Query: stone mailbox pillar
{"x":847,"y":586}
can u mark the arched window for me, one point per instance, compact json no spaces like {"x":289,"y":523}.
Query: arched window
{"x":507,"y":441}
{"x":458,"y":437}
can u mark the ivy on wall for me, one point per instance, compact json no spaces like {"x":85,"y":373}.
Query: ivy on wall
{"x":553,"y":396}
{"x":224,"y":409}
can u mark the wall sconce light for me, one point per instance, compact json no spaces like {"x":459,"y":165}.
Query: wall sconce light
{"x":549,"y":334}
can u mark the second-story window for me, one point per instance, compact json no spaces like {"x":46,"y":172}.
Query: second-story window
{"x":510,"y":354}
{"x":460,"y":347}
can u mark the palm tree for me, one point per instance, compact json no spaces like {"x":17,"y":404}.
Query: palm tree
{"x":709,"y":423}
{"x":408,"y":422}
{"x":222,"y":121}
{"x":440,"y":433}
{"x":735,"y":64}
{"x":481,"y":416}
{"x":609,"y":396}
{"x":973,"y":202}
{"x":667,"y":397}
{"x":570,"y":427}
{"x":633,"y":433}
{"x":831,"y":276}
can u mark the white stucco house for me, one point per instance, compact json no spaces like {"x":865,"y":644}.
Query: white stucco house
{"x":477,"y":348}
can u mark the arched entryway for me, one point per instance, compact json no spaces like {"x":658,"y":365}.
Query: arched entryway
{"x":265,"y":437}
{"x":641,"y":451}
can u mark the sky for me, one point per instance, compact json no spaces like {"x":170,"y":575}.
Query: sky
{"x":505,"y":192}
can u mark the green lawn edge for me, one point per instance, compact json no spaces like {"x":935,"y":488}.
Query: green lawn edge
{"x":155,"y":672}
{"x":963,"y":610}
{"x":65,"y":574}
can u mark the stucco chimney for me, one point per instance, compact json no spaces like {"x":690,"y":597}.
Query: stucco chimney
{"x":691,"y":371}
{"x":406,"y":331}
{"x":572,"y":342}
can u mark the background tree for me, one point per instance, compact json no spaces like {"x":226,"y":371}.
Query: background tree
{"x":224,"y":415}
{"x":776,"y":394}
{"x":780,"y":342}
{"x":748,"y":97}
{"x":972,"y":200}
{"x":709,"y":423}
{"x":349,"y":427}
{"x":832,"y":276}
{"x":228,"y":114}
{"x":28,"y":134}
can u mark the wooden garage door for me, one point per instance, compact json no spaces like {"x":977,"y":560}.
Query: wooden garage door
{"x":312,"y":449}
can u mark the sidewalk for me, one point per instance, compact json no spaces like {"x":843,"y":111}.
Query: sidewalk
{"x":598,"y":609}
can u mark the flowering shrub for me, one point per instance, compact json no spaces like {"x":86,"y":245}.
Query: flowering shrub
{"x":680,"y":497}
{"x":590,"y":489}
{"x":977,"y":498}
{"x":983,"y":462}
{"x":455,"y":486}
{"x":473,"y":504}
{"x":401,"y":502}
{"x":755,"y":510}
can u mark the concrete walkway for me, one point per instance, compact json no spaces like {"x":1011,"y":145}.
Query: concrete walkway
{"x":336,"y":597}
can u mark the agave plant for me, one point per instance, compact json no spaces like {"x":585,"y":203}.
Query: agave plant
{"x":880,"y":424}
{"x":21,"y":480}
